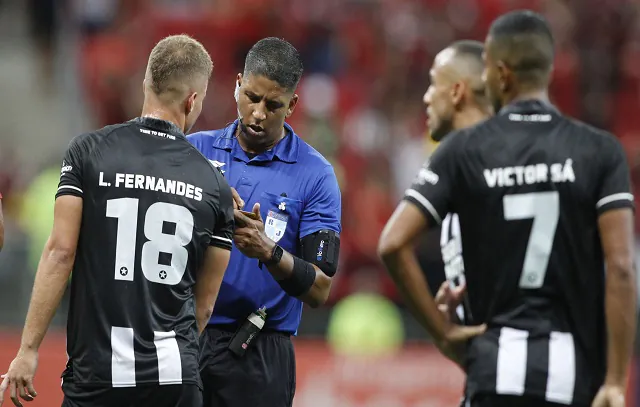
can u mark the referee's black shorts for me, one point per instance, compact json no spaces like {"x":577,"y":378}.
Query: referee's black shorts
{"x":264,"y":377}
{"x":499,"y":400}
{"x":172,"y":395}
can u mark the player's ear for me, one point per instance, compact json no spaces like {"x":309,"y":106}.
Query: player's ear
{"x":457,"y":93}
{"x":190,"y":103}
{"x":292,"y":104}
{"x":504,"y":76}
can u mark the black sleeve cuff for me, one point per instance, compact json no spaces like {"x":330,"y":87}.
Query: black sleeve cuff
{"x":221,"y":242}
{"x":69,"y":190}
{"x":615,"y":201}
{"x":425,"y":206}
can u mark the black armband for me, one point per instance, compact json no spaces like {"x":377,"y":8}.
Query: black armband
{"x":322,"y":249}
{"x":301,"y":280}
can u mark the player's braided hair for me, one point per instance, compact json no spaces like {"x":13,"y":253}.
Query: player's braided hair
{"x":175,"y":61}
{"x":275,"y":59}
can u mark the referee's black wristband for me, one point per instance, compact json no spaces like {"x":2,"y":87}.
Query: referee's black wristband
{"x":301,"y":280}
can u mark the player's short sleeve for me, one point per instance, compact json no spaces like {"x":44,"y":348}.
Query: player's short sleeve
{"x":323,"y":205}
{"x":432,"y":189}
{"x":614,"y":190}
{"x":223,"y":230}
{"x":71,"y":172}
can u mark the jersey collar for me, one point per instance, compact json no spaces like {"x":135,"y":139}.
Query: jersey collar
{"x":528,"y":106}
{"x":286,"y":150}
{"x":159,"y":124}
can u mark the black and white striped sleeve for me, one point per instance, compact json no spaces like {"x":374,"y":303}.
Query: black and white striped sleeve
{"x":223,"y":231}
{"x":71,"y":181}
{"x":432,"y":189}
{"x":614,"y":190}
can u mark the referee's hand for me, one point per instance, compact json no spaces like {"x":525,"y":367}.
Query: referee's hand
{"x":609,"y":396}
{"x":19,"y":378}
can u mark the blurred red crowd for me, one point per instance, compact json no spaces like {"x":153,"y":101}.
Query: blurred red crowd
{"x":376,"y":55}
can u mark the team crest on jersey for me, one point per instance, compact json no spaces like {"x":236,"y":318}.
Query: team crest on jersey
{"x":275,"y":225}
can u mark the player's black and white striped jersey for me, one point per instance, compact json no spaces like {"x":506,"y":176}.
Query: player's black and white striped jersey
{"x":528,"y":186}
{"x":451,"y":247}
{"x":152,"y":205}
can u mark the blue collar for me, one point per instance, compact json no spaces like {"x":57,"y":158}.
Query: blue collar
{"x":286,"y":150}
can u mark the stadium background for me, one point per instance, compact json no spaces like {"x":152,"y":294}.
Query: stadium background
{"x":67,"y":66}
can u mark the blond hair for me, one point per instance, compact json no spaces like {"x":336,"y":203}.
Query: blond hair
{"x":175,"y":62}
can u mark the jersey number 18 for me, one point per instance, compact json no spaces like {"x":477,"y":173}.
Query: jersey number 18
{"x":126,"y":211}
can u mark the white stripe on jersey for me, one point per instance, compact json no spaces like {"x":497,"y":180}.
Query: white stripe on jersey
{"x":512,"y":361}
{"x":451,"y":247}
{"x":622,"y":196}
{"x":511,"y":372}
{"x":70,"y":187}
{"x":425,"y":203}
{"x":224,"y":239}
{"x":561,"y":378}
{"x":123,"y":358}
{"x":169,"y":361}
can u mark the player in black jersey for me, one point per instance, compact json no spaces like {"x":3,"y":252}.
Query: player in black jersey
{"x":545,"y":207}
{"x":146,"y":223}
{"x":455,"y":99}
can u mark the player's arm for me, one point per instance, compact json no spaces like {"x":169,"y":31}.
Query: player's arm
{"x":216,"y":258}
{"x":615,"y":222}
{"x":54,"y":270}
{"x":1,"y":225}
{"x":59,"y":252}
{"x":424,"y":205}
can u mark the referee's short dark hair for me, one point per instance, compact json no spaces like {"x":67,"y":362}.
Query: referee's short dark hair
{"x":275,"y":59}
{"x":523,"y":40}
{"x":176,"y":61}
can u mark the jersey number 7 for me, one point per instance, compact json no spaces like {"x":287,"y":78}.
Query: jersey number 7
{"x":544,"y":209}
{"x":159,"y":241}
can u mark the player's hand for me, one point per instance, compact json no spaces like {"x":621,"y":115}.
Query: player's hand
{"x":249,"y":236}
{"x":238,"y":203}
{"x":448,"y":300}
{"x":454,"y":344}
{"x":19,"y":378}
{"x":609,"y":396}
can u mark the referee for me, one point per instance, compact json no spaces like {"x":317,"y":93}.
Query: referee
{"x":285,"y":251}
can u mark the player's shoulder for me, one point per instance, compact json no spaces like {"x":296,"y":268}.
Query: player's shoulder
{"x":601,"y":139}
{"x":89,"y":141}
{"x":205,"y":140}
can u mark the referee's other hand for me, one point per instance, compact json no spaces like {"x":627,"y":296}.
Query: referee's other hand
{"x":448,"y":299}
{"x":238,"y":203}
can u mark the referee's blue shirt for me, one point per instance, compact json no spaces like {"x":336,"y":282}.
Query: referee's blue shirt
{"x":298,"y":194}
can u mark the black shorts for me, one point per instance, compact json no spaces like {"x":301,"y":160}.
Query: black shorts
{"x":264,"y":377}
{"x":173,"y":395}
{"x":498,"y":400}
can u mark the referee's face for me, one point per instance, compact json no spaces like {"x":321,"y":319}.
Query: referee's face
{"x":263,"y":106}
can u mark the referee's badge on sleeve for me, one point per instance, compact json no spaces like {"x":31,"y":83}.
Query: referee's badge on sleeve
{"x":275,"y":225}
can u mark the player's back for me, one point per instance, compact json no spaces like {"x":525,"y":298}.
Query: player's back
{"x":150,"y":210}
{"x":530,"y":186}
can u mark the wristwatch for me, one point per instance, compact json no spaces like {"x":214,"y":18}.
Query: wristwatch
{"x":276,"y":256}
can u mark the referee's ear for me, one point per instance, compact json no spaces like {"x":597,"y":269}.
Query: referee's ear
{"x":292,"y":104}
